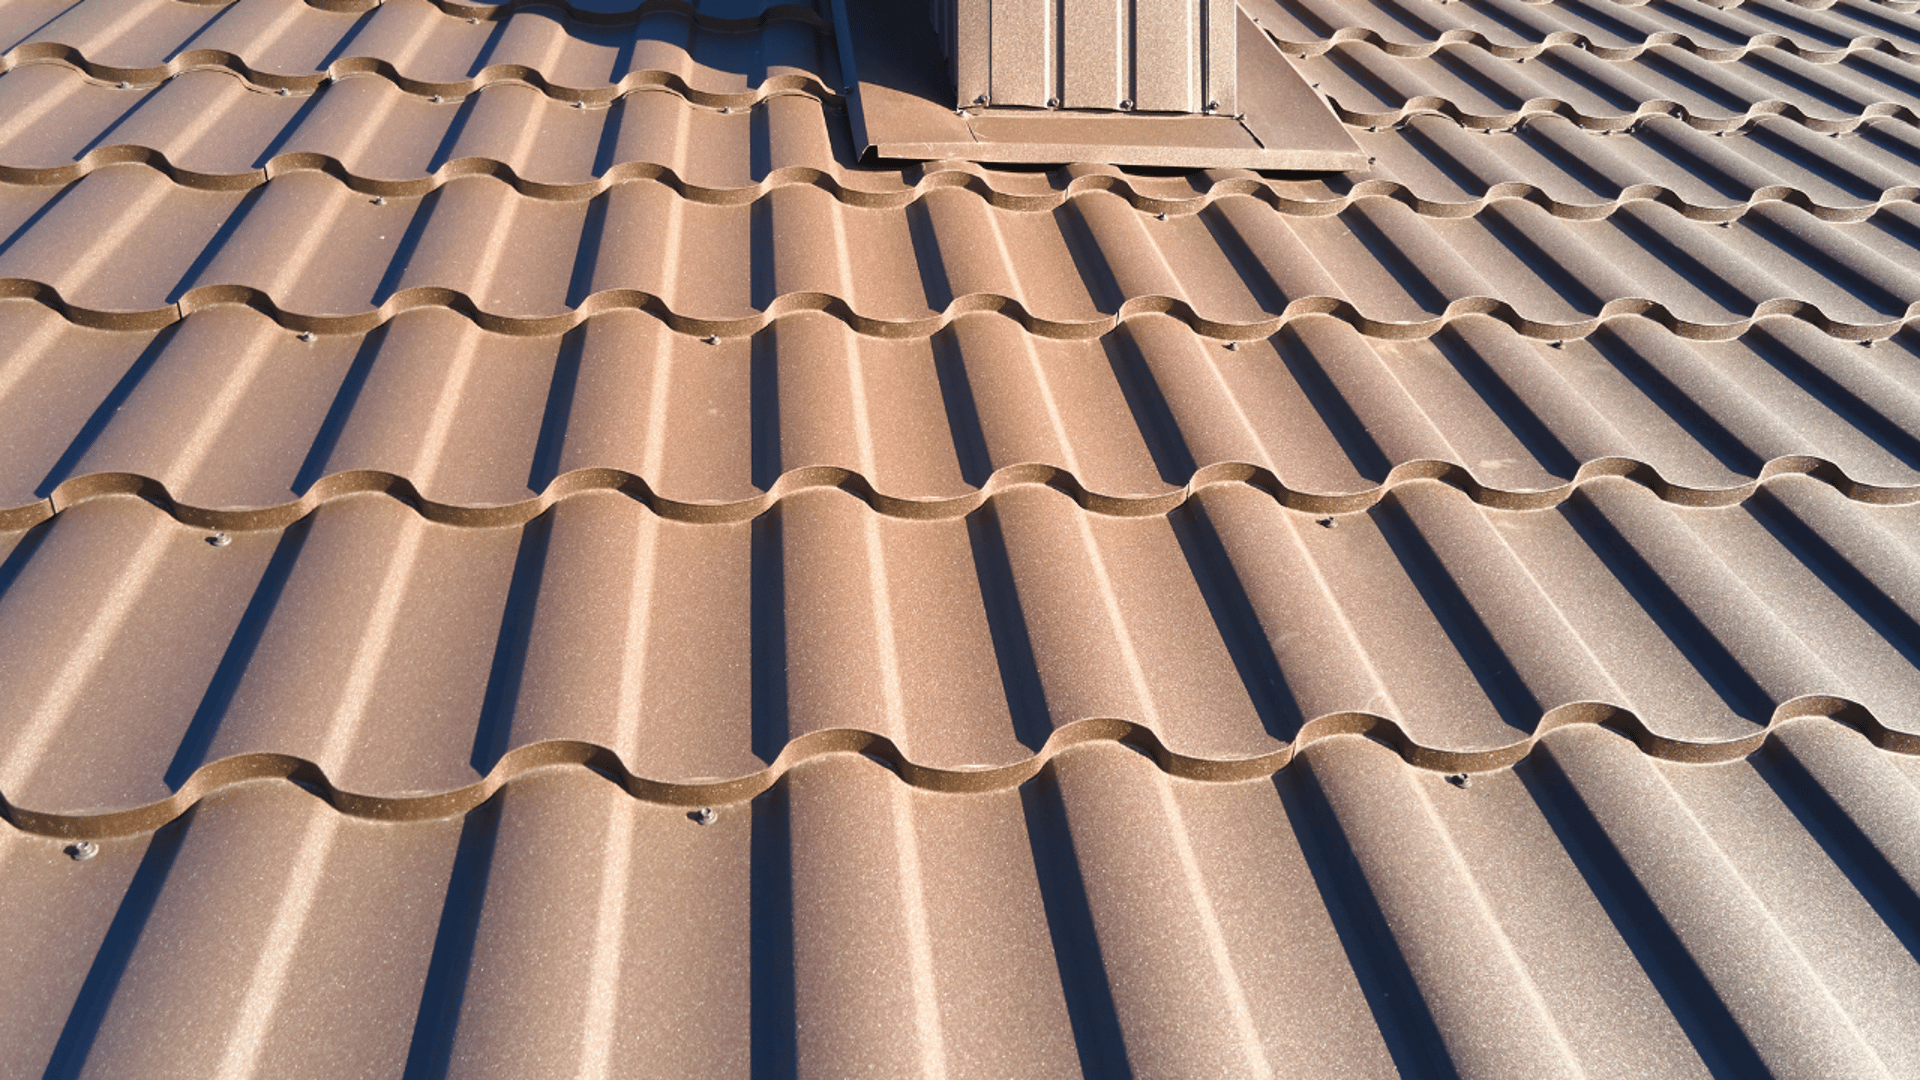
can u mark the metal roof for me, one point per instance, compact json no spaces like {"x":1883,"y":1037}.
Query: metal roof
{"x":1456,"y":618}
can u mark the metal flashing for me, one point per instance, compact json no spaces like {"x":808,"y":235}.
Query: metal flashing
{"x":899,"y":109}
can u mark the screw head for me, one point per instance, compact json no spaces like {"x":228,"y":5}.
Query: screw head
{"x":1161,"y":216}
{"x":1126,"y":104}
{"x":284,"y":92}
{"x":437,"y":99}
{"x":726,"y":109}
{"x":980,"y":99}
{"x":706,"y":815}
{"x":379,"y":200}
{"x":308,"y":336}
{"x":1460,"y":780}
{"x":579,"y":104}
{"x":125,"y":85}
{"x":1213,"y":107}
{"x":219,"y":539}
{"x":1053,"y":103}
{"x":1328,"y":523}
{"x":1233,"y":346}
{"x":82,"y":850}
{"x":473,"y":20}
{"x":711,"y":339}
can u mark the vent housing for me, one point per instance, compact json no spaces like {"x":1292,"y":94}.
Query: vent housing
{"x":1163,"y":56}
{"x":1172,"y":84}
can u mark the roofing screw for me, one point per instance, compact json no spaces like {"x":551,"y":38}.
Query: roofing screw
{"x":1233,"y":346}
{"x":980,"y":99}
{"x":1213,"y":107}
{"x":711,"y":339}
{"x":847,"y":90}
{"x":1557,"y":343}
{"x":1126,"y":104}
{"x":1460,"y":780}
{"x":379,"y":200}
{"x":83,"y":850}
{"x":284,"y":92}
{"x":1162,"y":216}
{"x":706,"y":815}
{"x":1053,"y":103}
{"x":959,"y":112}
{"x":307,"y":336}
{"x":472,"y":21}
{"x":220,"y":539}
{"x":125,"y":85}
{"x":579,"y":104}
{"x":1328,"y":523}
{"x":725,"y":109}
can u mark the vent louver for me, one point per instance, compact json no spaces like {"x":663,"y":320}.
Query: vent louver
{"x":1172,"y":56}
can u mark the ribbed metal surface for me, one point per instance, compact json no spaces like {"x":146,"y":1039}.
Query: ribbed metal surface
{"x":1451,"y":619}
{"x":1172,"y":56}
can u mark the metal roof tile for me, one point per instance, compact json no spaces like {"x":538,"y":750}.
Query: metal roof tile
{"x":413,"y":512}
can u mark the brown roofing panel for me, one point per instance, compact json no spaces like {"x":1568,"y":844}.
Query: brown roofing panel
{"x":727,"y":608}
{"x":1593,"y":910}
{"x":421,"y":664}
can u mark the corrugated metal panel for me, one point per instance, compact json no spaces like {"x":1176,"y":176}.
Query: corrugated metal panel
{"x":1593,"y":911}
{"x":971,"y":540}
{"x":407,"y":660}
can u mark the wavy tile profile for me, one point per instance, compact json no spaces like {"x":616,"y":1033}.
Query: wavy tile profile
{"x":1572,"y":39}
{"x":440,"y":93}
{"x":1330,"y":420}
{"x":1244,"y":271}
{"x":605,"y":764}
{"x":1368,"y":86}
{"x":832,"y":478}
{"x":703,"y":154}
{"x":443,"y":60}
{"x":588,"y":575}
{"x":1320,"y":887}
{"x":1219,"y":638}
{"x":1295,"y":199}
{"x":1818,"y":33}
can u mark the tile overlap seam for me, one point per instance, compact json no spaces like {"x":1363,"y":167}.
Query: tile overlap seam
{"x":415,"y":298}
{"x":341,"y":485}
{"x":608,"y":764}
{"x":943,"y":176}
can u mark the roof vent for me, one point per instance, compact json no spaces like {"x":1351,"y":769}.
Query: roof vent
{"x":1177,"y":83}
{"x":1171,"y":56}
